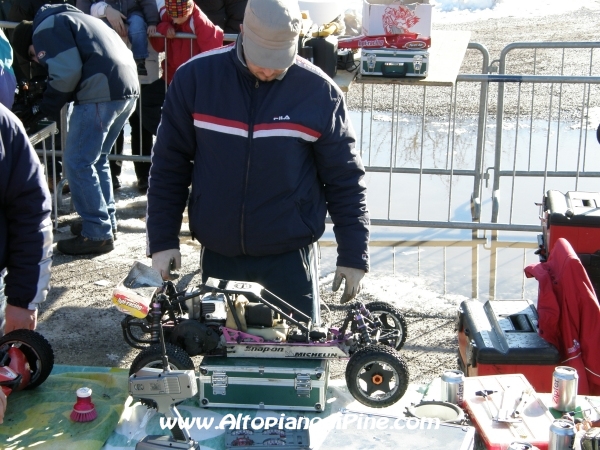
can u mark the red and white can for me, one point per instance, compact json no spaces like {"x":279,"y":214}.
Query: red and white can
{"x":564,"y":388}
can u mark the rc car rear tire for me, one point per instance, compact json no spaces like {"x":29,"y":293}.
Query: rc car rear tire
{"x":36,"y":349}
{"x":391,"y":318}
{"x":377,"y":376}
{"x":152,"y":357}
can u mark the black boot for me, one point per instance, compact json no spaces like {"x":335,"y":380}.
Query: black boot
{"x":141,"y":67}
{"x":83,"y":246}
{"x":77,"y":227}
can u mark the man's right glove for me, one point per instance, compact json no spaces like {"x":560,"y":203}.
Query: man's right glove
{"x":353,"y":278}
{"x":165,"y":261}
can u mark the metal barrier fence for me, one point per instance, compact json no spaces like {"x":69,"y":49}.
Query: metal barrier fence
{"x":473,"y":268}
{"x":433,"y":155}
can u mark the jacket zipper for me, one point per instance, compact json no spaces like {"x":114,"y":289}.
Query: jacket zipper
{"x":250,"y":137}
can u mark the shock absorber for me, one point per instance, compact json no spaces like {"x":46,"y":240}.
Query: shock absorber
{"x":362,"y":326}
{"x":375,"y":333}
{"x":156,"y":314}
{"x":367,"y":314}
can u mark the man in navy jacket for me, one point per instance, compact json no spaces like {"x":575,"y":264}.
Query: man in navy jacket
{"x":265,"y":141}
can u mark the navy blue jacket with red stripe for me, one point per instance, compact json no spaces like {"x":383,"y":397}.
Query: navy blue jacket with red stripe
{"x":25,"y":225}
{"x":266,"y":161}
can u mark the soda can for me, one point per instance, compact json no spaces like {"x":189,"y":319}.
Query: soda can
{"x":453,"y":386}
{"x":562,"y":435}
{"x":564,"y":388}
{"x":520,"y":446}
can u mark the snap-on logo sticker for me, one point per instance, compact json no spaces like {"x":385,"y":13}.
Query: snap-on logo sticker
{"x":41,"y":54}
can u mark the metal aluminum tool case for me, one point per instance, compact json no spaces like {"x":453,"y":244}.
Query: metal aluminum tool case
{"x":394,"y":63}
{"x":257,"y":383}
{"x":500,"y":337}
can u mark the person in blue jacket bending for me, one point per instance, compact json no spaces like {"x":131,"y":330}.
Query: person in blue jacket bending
{"x":265,"y":140}
{"x":88,"y":64}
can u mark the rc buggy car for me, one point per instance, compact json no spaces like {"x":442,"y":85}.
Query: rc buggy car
{"x":242,"y":319}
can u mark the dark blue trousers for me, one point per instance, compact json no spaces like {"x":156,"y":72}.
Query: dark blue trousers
{"x":290,"y":276}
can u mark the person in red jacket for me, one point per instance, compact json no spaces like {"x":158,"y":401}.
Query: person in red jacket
{"x":184,"y":16}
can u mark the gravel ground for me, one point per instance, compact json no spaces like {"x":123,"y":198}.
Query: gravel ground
{"x":83,"y":327}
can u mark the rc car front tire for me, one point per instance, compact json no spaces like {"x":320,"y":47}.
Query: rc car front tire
{"x":377,"y":376}
{"x":152,"y":357}
{"x":391,"y":318}
{"x":36,"y":349}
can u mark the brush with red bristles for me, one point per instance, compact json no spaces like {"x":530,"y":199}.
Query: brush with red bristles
{"x":84,"y":410}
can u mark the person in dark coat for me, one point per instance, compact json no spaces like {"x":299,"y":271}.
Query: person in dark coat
{"x":25,"y":228}
{"x":26,"y":9}
{"x":228,"y":14}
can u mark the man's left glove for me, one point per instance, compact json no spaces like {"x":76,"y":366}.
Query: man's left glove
{"x":30,"y":116}
{"x":165,"y":261}
{"x":353,"y":278}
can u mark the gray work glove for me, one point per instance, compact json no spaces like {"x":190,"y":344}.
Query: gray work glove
{"x":353,"y":278}
{"x":165,"y":261}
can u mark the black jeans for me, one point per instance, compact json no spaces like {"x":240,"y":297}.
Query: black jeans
{"x":290,"y":276}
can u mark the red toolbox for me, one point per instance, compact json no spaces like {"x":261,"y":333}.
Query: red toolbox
{"x":574,"y":216}
{"x":508,"y":391}
{"x":500,"y":337}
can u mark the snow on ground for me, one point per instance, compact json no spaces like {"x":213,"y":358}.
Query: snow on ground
{"x":457,"y":11}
